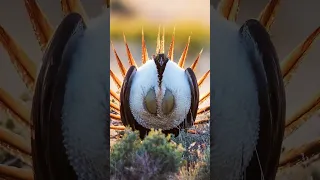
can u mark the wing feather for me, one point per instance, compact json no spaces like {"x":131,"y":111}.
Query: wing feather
{"x":272,"y":100}
{"x":191,"y":117}
{"x":49,"y":154}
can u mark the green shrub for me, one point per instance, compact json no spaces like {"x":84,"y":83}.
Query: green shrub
{"x":153,"y":158}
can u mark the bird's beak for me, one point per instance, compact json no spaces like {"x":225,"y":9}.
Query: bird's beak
{"x":161,"y":61}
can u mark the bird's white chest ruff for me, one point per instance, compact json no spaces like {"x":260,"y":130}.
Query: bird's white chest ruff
{"x":175,"y":79}
{"x":235,"y":113}
{"x":85,"y":116}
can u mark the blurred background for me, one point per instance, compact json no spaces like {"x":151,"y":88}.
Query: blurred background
{"x":188,"y":18}
{"x":294,"y":21}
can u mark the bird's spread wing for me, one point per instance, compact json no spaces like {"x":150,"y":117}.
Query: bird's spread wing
{"x":49,"y":154}
{"x":127,"y":117}
{"x":194,"y":97}
{"x":271,"y":93}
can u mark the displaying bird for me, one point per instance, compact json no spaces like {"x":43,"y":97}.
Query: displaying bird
{"x":249,"y":155}
{"x":151,"y":98}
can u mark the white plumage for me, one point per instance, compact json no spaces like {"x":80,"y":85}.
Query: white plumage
{"x":175,"y":79}
{"x":235,"y":112}
{"x":85,"y":110}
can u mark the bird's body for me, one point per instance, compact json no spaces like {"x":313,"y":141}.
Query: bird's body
{"x":245,"y":123}
{"x":86,"y":107}
{"x":175,"y":80}
{"x":159,"y":95}
{"x":235,"y":100}
{"x":74,"y":126}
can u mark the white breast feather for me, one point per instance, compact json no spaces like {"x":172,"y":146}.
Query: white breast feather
{"x":175,"y":79}
{"x":85,"y":107}
{"x":235,"y":112}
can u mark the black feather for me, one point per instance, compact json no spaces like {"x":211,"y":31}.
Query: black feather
{"x":271,"y":100}
{"x":50,"y":161}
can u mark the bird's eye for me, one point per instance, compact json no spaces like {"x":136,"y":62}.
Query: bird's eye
{"x":151,"y":102}
{"x":168,"y":102}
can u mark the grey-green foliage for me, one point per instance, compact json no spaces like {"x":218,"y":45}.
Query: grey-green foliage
{"x":192,"y":142}
{"x":153,"y":158}
{"x":197,"y":156}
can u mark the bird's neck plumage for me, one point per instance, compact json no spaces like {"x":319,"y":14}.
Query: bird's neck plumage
{"x":161,"y":61}
{"x":86,"y":103}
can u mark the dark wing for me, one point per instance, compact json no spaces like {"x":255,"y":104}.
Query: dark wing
{"x":125,"y":111}
{"x":191,"y":117}
{"x":48,"y":152}
{"x":272,"y":101}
